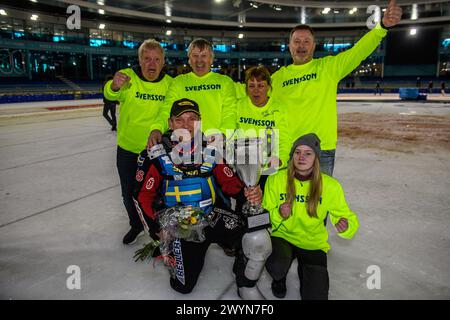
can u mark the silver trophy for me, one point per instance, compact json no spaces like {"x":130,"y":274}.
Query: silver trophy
{"x":256,"y":243}
{"x":248,"y":163}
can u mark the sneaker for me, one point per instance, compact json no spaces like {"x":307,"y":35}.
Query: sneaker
{"x":132,"y":235}
{"x":279,"y":288}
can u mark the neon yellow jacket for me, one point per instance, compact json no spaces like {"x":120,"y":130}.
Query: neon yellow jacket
{"x":309,"y":91}
{"x":249,"y":116}
{"x":240,"y":90}
{"x":300,"y":229}
{"x":140,"y":102}
{"x":215,"y":95}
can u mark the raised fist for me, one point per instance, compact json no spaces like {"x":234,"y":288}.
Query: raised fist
{"x":285,"y":210}
{"x":119,"y":81}
{"x":342,"y":225}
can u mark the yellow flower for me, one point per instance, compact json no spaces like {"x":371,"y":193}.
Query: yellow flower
{"x":193,"y":220}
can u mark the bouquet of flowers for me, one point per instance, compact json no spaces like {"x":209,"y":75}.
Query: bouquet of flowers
{"x":182,"y":222}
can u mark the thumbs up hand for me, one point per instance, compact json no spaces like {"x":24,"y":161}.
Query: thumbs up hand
{"x":392,"y":15}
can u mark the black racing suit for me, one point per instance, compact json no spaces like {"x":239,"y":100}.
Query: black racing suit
{"x":225,"y":225}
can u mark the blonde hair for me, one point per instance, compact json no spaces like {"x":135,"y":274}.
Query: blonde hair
{"x":315,"y":187}
{"x":150,"y":44}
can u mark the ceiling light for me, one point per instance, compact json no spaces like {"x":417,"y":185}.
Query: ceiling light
{"x":168,"y":32}
{"x":169,"y":21}
{"x":326,"y":10}
{"x":412,"y":31}
{"x":240,"y":35}
{"x":241,"y":18}
{"x":168,"y":8}
{"x":100,"y":2}
{"x":101,"y":11}
{"x":101,"y":26}
{"x":336,"y":11}
{"x":34,"y":17}
{"x":254,"y":5}
{"x":414,"y":12}
{"x":33,"y":1}
{"x":3,"y":12}
{"x":277,"y":8}
{"x":303,"y":16}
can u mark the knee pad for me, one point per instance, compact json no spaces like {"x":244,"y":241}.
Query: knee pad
{"x":257,"y":247}
{"x":252,"y":293}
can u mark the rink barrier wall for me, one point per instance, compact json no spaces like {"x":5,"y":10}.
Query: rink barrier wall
{"x":48,"y":97}
{"x":30,"y":97}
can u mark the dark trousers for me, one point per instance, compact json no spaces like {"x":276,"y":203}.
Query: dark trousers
{"x":110,"y":108}
{"x":327,"y":161}
{"x":225,"y":228}
{"x":312,"y":268}
{"x":127,"y":166}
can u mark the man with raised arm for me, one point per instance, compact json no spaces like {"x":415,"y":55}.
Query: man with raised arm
{"x":308,"y":87}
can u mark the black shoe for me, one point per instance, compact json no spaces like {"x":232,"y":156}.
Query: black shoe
{"x":279,"y":288}
{"x":114,"y":128}
{"x":132,"y":236}
{"x":231,"y":252}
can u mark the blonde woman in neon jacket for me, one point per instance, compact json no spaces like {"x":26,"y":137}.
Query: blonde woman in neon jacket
{"x":298,"y":199}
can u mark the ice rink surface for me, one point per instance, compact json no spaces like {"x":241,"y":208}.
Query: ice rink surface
{"x":61,"y":207}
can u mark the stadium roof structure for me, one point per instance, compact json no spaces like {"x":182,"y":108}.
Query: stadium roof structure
{"x":260,"y":14}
